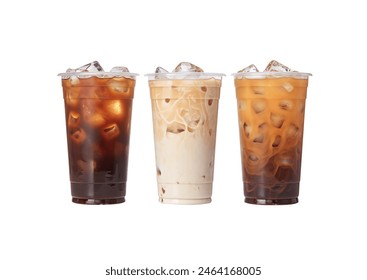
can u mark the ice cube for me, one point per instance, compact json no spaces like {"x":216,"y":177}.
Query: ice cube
{"x":275,"y":66}
{"x":250,"y":68}
{"x":71,"y":102}
{"x":87,"y":166}
{"x":263,"y":127}
{"x":286,"y":105}
{"x":187,"y":67}
{"x":74,"y":80}
{"x":77,"y":135}
{"x":241,"y":104}
{"x":119,"y":69}
{"x":193,"y":124}
{"x":247,"y":129}
{"x":285,"y":174}
{"x":276,"y":120}
{"x":288,"y":87}
{"x":276,"y":142}
{"x":90,"y":112}
{"x":192,"y":119}
{"x":283,"y":162}
{"x":258,"y":106}
{"x":258,"y":90}
{"x":292,"y":130}
{"x":259,"y":138}
{"x":176,"y":128}
{"x":69,"y":70}
{"x":195,"y":117}
{"x":253,"y":157}
{"x":287,"y":158}
{"x":117,"y":86}
{"x":74,"y":120}
{"x":114,"y":108}
{"x":111,"y":131}
{"x":90,"y":67}
{"x":160,"y":70}
{"x":95,"y":119}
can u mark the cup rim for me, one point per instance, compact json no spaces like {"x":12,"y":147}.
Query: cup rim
{"x":271,"y":74}
{"x":101,"y":74}
{"x":196,"y":75}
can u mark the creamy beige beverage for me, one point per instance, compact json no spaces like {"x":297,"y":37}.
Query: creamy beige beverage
{"x":271,"y":109}
{"x":185,"y":108}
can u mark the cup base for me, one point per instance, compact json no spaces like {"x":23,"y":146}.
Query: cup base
{"x":98,"y":193}
{"x":261,"y":201}
{"x":92,"y":201}
{"x":181,"y":193}
{"x":184,"y":201}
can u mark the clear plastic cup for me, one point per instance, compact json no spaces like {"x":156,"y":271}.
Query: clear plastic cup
{"x":185,"y":109}
{"x":271,"y":110}
{"x":98,"y":115}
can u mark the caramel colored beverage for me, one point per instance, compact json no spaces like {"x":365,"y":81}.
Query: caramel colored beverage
{"x":271,"y":110}
{"x":184,"y":109}
{"x":98,"y":115}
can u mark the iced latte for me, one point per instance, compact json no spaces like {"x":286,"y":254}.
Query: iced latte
{"x":98,"y":108}
{"x":184,"y":108}
{"x":271,"y":110}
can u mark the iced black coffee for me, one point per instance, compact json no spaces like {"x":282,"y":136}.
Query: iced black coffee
{"x":98,"y":108}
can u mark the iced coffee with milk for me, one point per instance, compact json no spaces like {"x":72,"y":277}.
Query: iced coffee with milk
{"x":271,"y":110}
{"x":98,"y":107}
{"x":184,"y":110}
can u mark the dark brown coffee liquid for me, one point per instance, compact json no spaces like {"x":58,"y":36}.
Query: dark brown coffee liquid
{"x":98,"y":114}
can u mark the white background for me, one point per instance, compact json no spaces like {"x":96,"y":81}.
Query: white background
{"x":45,"y":236}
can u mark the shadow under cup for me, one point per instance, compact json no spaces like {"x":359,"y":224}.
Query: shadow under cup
{"x":271,"y":110}
{"x":98,"y":116}
{"x":185,"y":109}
